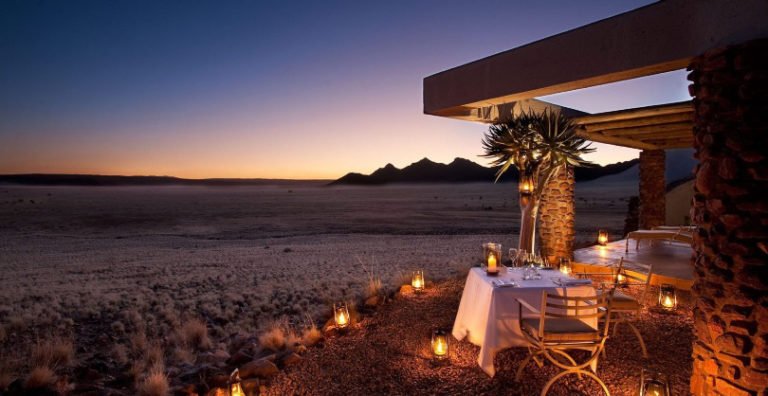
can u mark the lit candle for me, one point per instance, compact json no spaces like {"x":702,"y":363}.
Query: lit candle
{"x":440,"y":344}
{"x":341,"y":319}
{"x":341,"y":315}
{"x":417,"y":281}
{"x":602,"y":237}
{"x":491,"y":263}
{"x":440,"y":348}
{"x":667,"y":297}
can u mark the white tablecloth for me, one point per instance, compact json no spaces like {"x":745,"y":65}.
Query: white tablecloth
{"x":488,"y":316}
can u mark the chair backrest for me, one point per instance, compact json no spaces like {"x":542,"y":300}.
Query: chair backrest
{"x":571,"y":307}
{"x":633,"y":278}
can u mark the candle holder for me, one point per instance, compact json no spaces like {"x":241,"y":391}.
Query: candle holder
{"x":235,"y":384}
{"x":667,"y":297}
{"x":525,"y":185}
{"x":492,"y":258}
{"x":341,"y":315}
{"x":653,"y":384}
{"x":417,"y":281}
{"x":602,"y":237}
{"x":440,"y":344}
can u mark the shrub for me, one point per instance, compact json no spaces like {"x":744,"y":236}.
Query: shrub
{"x":195,"y":334}
{"x":155,"y":383}
{"x":275,"y":336}
{"x":40,"y":377}
{"x":56,"y":352}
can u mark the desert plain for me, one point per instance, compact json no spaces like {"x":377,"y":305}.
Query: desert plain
{"x":115,"y":282}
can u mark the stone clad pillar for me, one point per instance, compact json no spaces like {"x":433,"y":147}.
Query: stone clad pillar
{"x":730,"y":289}
{"x":556,"y":215}
{"x":653,"y":186}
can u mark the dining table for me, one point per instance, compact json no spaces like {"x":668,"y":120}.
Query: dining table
{"x":489,"y":314}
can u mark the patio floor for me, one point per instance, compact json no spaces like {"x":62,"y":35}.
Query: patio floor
{"x":671,"y":260}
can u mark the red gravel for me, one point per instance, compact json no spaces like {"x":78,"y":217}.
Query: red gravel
{"x":388,"y":353}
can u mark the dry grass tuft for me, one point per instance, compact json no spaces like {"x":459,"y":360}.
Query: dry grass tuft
{"x":194,"y":332}
{"x":373,"y":286}
{"x":120,"y":354}
{"x":311,"y":336}
{"x":183,"y":354}
{"x":155,"y":383}
{"x":277,"y":336}
{"x":40,"y":377}
{"x":56,"y":352}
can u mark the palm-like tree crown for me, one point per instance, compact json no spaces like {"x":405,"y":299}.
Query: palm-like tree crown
{"x":536,"y":144}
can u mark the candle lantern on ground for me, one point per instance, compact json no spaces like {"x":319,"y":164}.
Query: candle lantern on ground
{"x":440,"y":344}
{"x":341,"y":315}
{"x":652,"y":384}
{"x":602,"y":237}
{"x":621,"y":279}
{"x":492,"y":257}
{"x":525,"y":185}
{"x":667,"y":297}
{"x":235,"y":385}
{"x":417,"y":281}
{"x":565,"y":266}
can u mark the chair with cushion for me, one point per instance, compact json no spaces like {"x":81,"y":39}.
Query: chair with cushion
{"x":625,"y":308}
{"x":559,"y":326}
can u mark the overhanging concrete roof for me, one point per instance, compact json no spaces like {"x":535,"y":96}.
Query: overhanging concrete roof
{"x":660,"y":37}
{"x":665,"y":126}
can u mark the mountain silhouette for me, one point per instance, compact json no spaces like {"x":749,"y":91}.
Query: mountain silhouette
{"x":461,"y":170}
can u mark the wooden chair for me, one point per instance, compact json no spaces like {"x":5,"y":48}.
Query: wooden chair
{"x":560,"y":327}
{"x":625,"y":308}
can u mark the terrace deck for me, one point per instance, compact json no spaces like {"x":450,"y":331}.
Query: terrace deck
{"x":671,"y":260}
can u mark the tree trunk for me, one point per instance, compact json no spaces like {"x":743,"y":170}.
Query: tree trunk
{"x":529,"y":206}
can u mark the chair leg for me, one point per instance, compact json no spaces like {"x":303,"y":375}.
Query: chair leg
{"x":522,"y":366}
{"x":564,"y":373}
{"x":639,"y":338}
{"x":567,"y":356}
{"x":616,"y":327}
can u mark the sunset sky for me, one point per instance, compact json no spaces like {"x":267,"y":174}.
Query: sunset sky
{"x":272,"y":89}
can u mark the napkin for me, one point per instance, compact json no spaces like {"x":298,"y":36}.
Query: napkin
{"x":501,"y":283}
{"x":575,"y":282}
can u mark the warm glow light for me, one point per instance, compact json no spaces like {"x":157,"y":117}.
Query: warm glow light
{"x":667,"y":297}
{"x":235,"y":388}
{"x":492,"y":263}
{"x":417,"y":281}
{"x":525,"y":185}
{"x":565,"y":266}
{"x":602,"y":237}
{"x":341,"y":315}
{"x":440,"y":344}
{"x":653,"y":385}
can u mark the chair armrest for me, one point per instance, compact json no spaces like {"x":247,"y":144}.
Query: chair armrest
{"x":527,"y":306}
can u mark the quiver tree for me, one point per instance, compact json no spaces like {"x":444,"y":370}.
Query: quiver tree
{"x":538,"y":145}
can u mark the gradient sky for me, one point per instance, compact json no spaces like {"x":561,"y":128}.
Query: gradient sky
{"x":263,"y":88}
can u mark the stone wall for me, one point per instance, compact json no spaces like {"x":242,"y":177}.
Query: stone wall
{"x":556,"y":215}
{"x":652,"y":189}
{"x":730,"y":352}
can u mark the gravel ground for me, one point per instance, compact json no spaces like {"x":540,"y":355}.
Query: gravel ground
{"x":388,"y":353}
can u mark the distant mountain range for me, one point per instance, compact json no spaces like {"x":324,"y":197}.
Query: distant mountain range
{"x":461,"y":170}
{"x":679,"y":166}
{"x":108,"y":180}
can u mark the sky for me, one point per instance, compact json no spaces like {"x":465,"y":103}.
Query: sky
{"x":264,"y":89}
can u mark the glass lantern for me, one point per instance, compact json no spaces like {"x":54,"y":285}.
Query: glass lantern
{"x":492,"y":257}
{"x":525,"y":185}
{"x":235,"y":384}
{"x":341,"y":315}
{"x":417,"y":281}
{"x":440,"y":344}
{"x":602,"y":237}
{"x":667,"y":297}
{"x":652,"y":384}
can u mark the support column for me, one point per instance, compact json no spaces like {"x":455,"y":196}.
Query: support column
{"x":730,"y":208}
{"x":556,"y":215}
{"x":652,"y":189}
